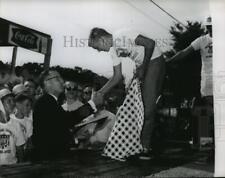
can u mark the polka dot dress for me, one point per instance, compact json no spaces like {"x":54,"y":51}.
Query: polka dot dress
{"x":124,"y":140}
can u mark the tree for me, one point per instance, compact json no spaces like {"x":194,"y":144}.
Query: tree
{"x":185,"y":76}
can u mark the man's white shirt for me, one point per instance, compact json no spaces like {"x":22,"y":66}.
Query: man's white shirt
{"x":204,"y":44}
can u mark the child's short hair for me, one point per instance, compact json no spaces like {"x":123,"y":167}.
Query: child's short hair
{"x":22,"y":97}
{"x":95,"y":34}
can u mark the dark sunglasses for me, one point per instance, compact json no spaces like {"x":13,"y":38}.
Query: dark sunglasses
{"x":71,"y":89}
{"x":87,"y":92}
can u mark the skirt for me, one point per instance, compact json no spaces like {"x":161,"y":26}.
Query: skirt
{"x":124,"y":140}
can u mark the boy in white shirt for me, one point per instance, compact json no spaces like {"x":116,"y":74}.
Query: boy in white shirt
{"x":11,"y":136}
{"x":22,"y":117}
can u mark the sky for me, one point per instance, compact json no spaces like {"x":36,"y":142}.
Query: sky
{"x":73,"y":19}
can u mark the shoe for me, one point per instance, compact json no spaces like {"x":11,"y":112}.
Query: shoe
{"x":146,"y":155}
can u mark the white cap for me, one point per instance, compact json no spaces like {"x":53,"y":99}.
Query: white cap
{"x":19,"y":88}
{"x":4,"y":92}
{"x":208,"y":21}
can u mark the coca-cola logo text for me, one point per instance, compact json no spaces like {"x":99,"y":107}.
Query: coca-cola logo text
{"x":24,"y":38}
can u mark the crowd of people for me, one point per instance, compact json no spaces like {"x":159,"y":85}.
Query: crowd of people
{"x":16,"y":124}
{"x":37,"y":123}
{"x":31,"y":128}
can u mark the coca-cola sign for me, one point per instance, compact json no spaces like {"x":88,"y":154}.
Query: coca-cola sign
{"x":27,"y":39}
{"x":24,"y":38}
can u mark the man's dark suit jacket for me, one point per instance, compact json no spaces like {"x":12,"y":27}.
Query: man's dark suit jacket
{"x":51,"y":127}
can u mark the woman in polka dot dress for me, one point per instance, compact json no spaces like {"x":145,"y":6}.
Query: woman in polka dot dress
{"x":125,"y":139}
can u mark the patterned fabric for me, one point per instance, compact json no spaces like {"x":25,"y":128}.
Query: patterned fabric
{"x":124,"y":140}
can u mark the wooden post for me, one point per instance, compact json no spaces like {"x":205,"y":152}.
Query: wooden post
{"x":48,"y":55}
{"x":13,"y":63}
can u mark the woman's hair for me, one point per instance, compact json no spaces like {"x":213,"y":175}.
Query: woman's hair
{"x":95,"y":34}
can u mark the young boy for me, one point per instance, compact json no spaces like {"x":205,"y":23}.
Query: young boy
{"x":11,"y":136}
{"x":22,"y":117}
